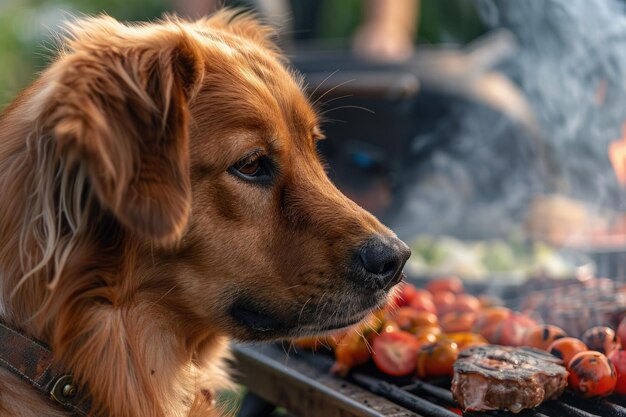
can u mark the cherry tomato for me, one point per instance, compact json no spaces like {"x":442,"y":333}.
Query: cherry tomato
{"x":601,"y":338}
{"x":426,"y":319}
{"x":423,"y":301}
{"x":405,"y":295}
{"x":541,"y":336}
{"x":492,"y":315}
{"x":350,"y":351}
{"x":488,"y":322}
{"x":389,"y":326}
{"x":421,"y":293}
{"x":492,"y":332}
{"x":514,"y":328}
{"x":618,"y":359}
{"x":591,"y":374}
{"x":394,"y":301}
{"x":395,"y":353}
{"x":455,"y":322}
{"x":464,"y":339}
{"x":453,"y":284}
{"x":410,"y":319}
{"x":566,"y":347}
{"x":621,"y":331}
{"x":437,"y":359}
{"x":428,"y":334}
{"x":443,"y":300}
{"x":464,"y":303}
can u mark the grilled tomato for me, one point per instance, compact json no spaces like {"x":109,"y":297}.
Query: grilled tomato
{"x":465,"y":340}
{"x":394,"y":352}
{"x":406,"y":294}
{"x":491,"y":315}
{"x":465,"y":303}
{"x":423,"y":301}
{"x":489,"y":323}
{"x":410,"y":319}
{"x":514,"y":328}
{"x":618,"y":358}
{"x":566,"y":348}
{"x":428,"y":334}
{"x":454,"y":322}
{"x":443,"y":300}
{"x":542,"y":336}
{"x":351,"y":350}
{"x":437,"y":359}
{"x":601,"y":338}
{"x":591,"y":374}
{"x":452,"y":284}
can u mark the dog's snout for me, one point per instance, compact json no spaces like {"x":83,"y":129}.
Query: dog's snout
{"x":380,"y":260}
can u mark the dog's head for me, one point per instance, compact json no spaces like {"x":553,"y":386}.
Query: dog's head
{"x":190,"y":151}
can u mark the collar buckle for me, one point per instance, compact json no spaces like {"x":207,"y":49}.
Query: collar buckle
{"x":64,"y":391}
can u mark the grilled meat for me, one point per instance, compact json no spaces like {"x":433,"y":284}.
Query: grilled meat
{"x":504,"y":378}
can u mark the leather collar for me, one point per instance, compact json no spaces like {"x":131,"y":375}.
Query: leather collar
{"x":32,"y":361}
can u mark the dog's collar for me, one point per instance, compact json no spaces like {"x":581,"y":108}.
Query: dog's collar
{"x":32,"y":362}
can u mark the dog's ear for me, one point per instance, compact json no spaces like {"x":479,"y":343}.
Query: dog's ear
{"x":119,"y":105}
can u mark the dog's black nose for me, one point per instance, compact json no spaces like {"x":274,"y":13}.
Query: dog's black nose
{"x":380,"y":260}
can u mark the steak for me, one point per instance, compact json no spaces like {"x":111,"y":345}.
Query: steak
{"x":504,"y":378}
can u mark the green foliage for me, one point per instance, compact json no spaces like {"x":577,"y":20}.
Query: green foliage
{"x":448,"y":21}
{"x":27,"y":27}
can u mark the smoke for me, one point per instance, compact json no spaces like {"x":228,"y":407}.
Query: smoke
{"x":570,"y":65}
{"x":477,"y":180}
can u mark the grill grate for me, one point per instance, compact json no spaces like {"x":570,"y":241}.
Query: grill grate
{"x":413,"y":397}
{"x":423,"y":399}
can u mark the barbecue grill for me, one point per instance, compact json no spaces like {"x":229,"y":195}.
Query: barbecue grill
{"x":301,"y":382}
{"x":369,"y":149}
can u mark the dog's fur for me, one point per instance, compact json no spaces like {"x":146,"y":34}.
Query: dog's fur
{"x":125,"y":240}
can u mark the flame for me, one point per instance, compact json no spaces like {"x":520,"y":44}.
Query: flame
{"x":617,"y":155}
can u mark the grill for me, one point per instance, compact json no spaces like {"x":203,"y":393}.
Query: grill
{"x":301,"y":382}
{"x":408,"y":110}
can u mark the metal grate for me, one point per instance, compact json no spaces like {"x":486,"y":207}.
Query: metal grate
{"x":431,"y":401}
{"x":412,"y":397}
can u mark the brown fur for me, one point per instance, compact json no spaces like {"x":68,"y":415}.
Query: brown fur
{"x":125,"y":241}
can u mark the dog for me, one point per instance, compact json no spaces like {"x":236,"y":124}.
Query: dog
{"x":161,"y":196}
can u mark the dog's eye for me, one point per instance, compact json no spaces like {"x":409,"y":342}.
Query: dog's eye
{"x":251,"y":168}
{"x":254,"y":169}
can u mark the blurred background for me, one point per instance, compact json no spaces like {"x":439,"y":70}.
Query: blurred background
{"x":487,"y":133}
{"x":26,"y":26}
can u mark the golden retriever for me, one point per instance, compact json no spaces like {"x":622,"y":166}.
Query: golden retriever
{"x":162,"y":194}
